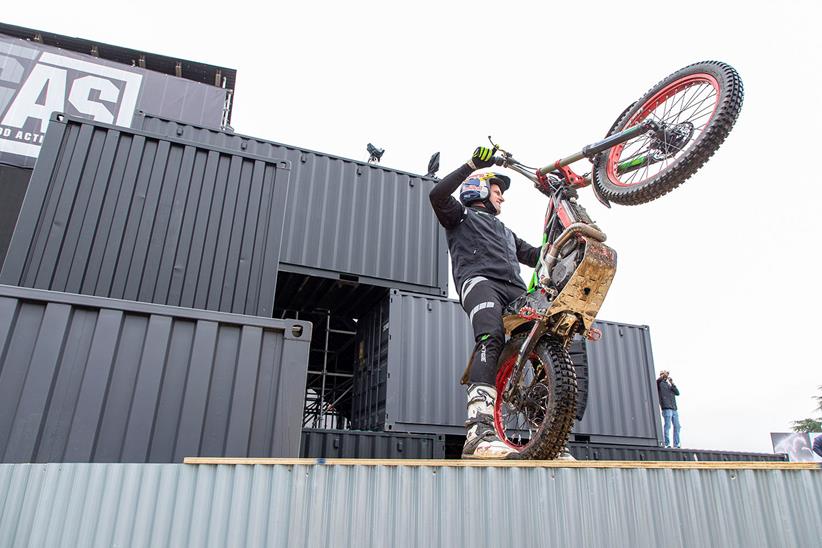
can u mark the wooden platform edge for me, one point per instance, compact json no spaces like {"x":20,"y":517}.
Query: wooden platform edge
{"x":688,"y":465}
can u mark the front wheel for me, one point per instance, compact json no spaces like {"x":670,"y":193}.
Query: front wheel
{"x":537,"y":416}
{"x":695,"y":109}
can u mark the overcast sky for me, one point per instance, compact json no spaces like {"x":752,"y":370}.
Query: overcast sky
{"x":723,"y":270}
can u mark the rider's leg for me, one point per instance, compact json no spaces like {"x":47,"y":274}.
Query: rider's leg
{"x":484,"y":304}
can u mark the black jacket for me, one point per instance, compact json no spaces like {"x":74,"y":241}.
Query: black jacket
{"x":479,"y":243}
{"x":667,"y":394}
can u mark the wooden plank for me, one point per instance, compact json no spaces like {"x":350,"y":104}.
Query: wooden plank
{"x":686,"y":465}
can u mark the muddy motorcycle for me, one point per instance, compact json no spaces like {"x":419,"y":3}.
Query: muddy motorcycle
{"x":655,"y":144}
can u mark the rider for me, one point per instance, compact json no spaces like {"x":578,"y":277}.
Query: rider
{"x":484,"y":258}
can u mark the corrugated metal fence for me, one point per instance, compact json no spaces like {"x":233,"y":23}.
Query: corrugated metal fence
{"x":434,"y":506}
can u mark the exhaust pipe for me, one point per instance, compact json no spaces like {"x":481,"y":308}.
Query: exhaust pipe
{"x":547,"y":259}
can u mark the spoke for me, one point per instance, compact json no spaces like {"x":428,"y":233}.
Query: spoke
{"x":695,"y":91}
{"x":668,"y":104}
{"x":707,"y":112}
{"x":696,"y":111}
{"x":680,"y":98}
{"x":645,"y":140}
{"x":527,"y":416}
{"x":691,"y":102}
{"x":645,"y":172}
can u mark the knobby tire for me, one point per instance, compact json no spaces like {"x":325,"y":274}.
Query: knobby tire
{"x":551,"y":436}
{"x":694,"y":155}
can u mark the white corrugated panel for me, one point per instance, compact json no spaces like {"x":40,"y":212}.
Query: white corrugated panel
{"x":431,"y":506}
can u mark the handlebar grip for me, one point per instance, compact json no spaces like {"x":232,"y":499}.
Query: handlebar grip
{"x":498,"y":160}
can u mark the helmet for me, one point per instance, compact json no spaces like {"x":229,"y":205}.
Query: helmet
{"x":477,"y":188}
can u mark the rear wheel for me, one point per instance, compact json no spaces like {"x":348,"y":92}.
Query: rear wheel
{"x":536,"y":418}
{"x":695,"y":107}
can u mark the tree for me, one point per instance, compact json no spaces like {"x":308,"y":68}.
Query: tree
{"x":810,"y":425}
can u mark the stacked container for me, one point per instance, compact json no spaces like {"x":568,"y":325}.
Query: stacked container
{"x":413,"y":349}
{"x":147,"y":334}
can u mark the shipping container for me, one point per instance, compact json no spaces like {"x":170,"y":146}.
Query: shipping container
{"x":125,"y":214}
{"x":302,"y":505}
{"x":350,"y":444}
{"x":88,"y":379}
{"x":355,"y":444}
{"x":618,"y":452}
{"x":412,"y":350}
{"x":345,"y":219}
{"x":13,"y":184}
{"x":623,"y":405}
{"x":45,"y":72}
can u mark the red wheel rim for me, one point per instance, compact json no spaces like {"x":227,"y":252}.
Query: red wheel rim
{"x":704,"y":83}
{"x":502,"y":378}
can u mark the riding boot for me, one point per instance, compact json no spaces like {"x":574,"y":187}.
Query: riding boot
{"x":481,"y":441}
{"x":565,"y":454}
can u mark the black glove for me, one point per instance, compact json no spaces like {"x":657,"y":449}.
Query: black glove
{"x":483,"y":157}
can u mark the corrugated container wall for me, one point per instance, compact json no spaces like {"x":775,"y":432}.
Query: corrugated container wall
{"x":354,"y":444}
{"x":412,"y":350}
{"x":623,"y":405}
{"x":87,"y":379}
{"x":314,"y":506}
{"x":13,"y":184}
{"x":618,"y":452}
{"x":344,"y":216}
{"x":126,"y":214}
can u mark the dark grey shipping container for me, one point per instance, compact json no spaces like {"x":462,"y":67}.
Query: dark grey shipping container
{"x":127,"y":214}
{"x":88,"y":379}
{"x":412,"y":350}
{"x":623,"y":405}
{"x":361,"y":221}
{"x":584,"y":451}
{"x":353,"y":444}
{"x":13,"y":184}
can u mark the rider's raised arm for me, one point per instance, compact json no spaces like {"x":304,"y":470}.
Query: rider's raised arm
{"x":526,"y":253}
{"x":447,"y":208}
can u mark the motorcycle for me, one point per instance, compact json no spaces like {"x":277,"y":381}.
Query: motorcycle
{"x":654,"y":146}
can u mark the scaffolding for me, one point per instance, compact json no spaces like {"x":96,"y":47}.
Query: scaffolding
{"x":330,"y":381}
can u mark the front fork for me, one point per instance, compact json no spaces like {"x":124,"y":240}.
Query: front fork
{"x":536,"y":333}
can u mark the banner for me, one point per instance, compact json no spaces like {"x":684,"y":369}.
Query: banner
{"x":796,"y":445}
{"x":37,"y":80}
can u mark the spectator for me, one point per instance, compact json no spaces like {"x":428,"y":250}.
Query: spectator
{"x":817,"y":445}
{"x":667,"y":401}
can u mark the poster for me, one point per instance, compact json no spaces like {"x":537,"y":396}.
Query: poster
{"x":796,"y":445}
{"x":816,"y":443}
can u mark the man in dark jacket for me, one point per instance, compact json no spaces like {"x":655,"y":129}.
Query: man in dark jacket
{"x":817,"y":445}
{"x":485,"y":257}
{"x":667,"y":401}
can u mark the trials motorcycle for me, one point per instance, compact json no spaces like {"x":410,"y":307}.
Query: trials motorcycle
{"x":654,"y":145}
